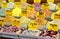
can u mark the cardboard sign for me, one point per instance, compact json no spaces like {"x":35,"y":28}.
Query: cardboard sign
{"x":40,"y":15}
{"x":16,"y":23}
{"x":33,"y":26}
{"x":9,"y":13}
{"x":56,"y":16}
{"x":37,"y":1}
{"x":50,"y":1}
{"x":53,"y":27}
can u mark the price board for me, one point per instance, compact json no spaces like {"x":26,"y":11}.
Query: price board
{"x":33,"y":26}
{"x":37,"y":1}
{"x":53,"y":27}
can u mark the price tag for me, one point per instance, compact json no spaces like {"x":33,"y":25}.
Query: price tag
{"x":50,"y":1}
{"x":53,"y":27}
{"x":1,"y":22}
{"x":23,"y":0}
{"x":17,"y":4}
{"x":45,"y":6}
{"x":37,"y":1}
{"x":56,"y":17}
{"x":4,"y":5}
{"x":16,"y":23}
{"x":9,"y":13}
{"x":16,"y":12}
{"x":33,"y":26}
{"x":40,"y":15}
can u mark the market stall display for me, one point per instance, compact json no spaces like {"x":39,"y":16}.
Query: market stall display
{"x":20,"y":20}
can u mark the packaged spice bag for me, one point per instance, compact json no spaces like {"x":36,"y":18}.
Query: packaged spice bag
{"x":41,"y":22}
{"x":24,"y":5}
{"x":31,"y":12}
{"x":16,"y":12}
{"x":52,"y":6}
{"x":10,"y":5}
{"x":47,"y":13}
{"x":37,"y":6}
{"x":24,"y":21}
{"x":2,"y":12}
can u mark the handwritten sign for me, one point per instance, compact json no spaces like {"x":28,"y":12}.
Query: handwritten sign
{"x":53,"y":27}
{"x":33,"y":26}
{"x":40,"y":15}
{"x":24,"y":13}
{"x":56,"y":17}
